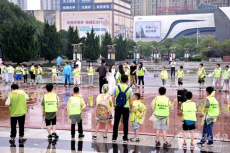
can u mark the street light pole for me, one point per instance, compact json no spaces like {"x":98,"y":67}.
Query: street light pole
{"x":100,"y":29}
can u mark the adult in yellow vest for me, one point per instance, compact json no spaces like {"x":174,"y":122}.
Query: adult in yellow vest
{"x":54,"y":72}
{"x":210,"y":113}
{"x":18,"y":73}
{"x":180,"y":77}
{"x":119,"y":73}
{"x":32,"y":73}
{"x":217,"y":76}
{"x":122,"y":100}
{"x":49,"y":105}
{"x":91,"y":71}
{"x":103,"y":109}
{"x":10,"y":71}
{"x":17,"y":102}
{"x":141,"y":73}
{"x":201,"y":75}
{"x":138,"y":112}
{"x":161,"y":106}
{"x":25,"y":72}
{"x":75,"y":106}
{"x":226,"y":79}
{"x":77,"y":73}
{"x":164,"y":76}
{"x":189,"y":119}
{"x":39,"y":74}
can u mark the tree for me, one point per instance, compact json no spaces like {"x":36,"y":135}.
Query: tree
{"x":121,"y":51}
{"x":50,"y":43}
{"x":107,"y":40}
{"x":18,"y":41}
{"x":73,"y":38}
{"x":147,"y":48}
{"x":225,"y":47}
{"x":63,"y":38}
{"x":91,"y":46}
{"x":209,"y":47}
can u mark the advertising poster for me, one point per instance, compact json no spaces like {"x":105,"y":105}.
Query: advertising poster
{"x":148,"y":29}
{"x":100,"y":22}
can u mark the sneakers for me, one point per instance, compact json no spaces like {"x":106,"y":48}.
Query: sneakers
{"x":125,"y":140}
{"x":12,"y":141}
{"x":209,"y":145}
{"x":22,"y":140}
{"x":166,"y":145}
{"x":201,"y":144}
{"x":135,"y":139}
{"x":104,"y":137}
{"x":81,"y":135}
{"x":72,"y":136}
{"x":158,"y":144}
{"x":54,"y":135}
{"x":114,"y":140}
{"x":49,"y":137}
{"x":94,"y":137}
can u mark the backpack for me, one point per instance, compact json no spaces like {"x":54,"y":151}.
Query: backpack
{"x":102,"y":111}
{"x":121,"y":98}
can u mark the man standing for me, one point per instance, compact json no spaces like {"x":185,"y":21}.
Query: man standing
{"x":79,"y":64}
{"x":173,"y":68}
{"x":210,"y":113}
{"x":133,"y":67}
{"x":122,"y":100}
{"x":102,"y":72}
{"x":201,"y":75}
{"x":67,"y":73}
{"x":217,"y":75}
{"x":17,"y":108}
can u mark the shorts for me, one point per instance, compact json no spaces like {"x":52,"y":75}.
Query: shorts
{"x":32,"y":76}
{"x":54,"y":77}
{"x":51,"y":121}
{"x":135,"y":125}
{"x":218,"y":80}
{"x":161,"y":124}
{"x":180,"y":83}
{"x":188,"y":127}
{"x":18,"y":77}
{"x":201,"y":81}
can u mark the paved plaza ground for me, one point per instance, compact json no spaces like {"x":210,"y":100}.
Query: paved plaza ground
{"x":35,"y":126}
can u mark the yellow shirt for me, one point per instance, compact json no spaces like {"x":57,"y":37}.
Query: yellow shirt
{"x":83,"y":105}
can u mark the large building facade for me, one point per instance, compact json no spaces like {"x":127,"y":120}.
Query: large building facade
{"x":158,"y":28}
{"x":169,"y":7}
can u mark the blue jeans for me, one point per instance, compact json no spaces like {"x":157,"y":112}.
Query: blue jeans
{"x":207,"y":133}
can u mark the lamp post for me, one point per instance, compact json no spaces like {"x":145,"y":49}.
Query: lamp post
{"x":173,"y":52}
{"x":111,"y":54}
{"x":137,"y":53}
{"x":156,"y":55}
{"x":186,"y":54}
{"x":77,"y":51}
{"x":100,"y":29}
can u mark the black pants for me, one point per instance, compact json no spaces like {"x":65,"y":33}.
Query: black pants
{"x":173,"y":70}
{"x":118,"y":112}
{"x":102,"y":81}
{"x":21,"y":123}
{"x":80,"y":128}
{"x":25,"y":78}
{"x":141,"y":79}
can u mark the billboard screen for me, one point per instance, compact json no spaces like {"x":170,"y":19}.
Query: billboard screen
{"x":86,"y":21}
{"x":148,"y":29}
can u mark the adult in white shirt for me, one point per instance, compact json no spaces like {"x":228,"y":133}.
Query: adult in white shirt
{"x":173,"y":68}
{"x":79,"y":64}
